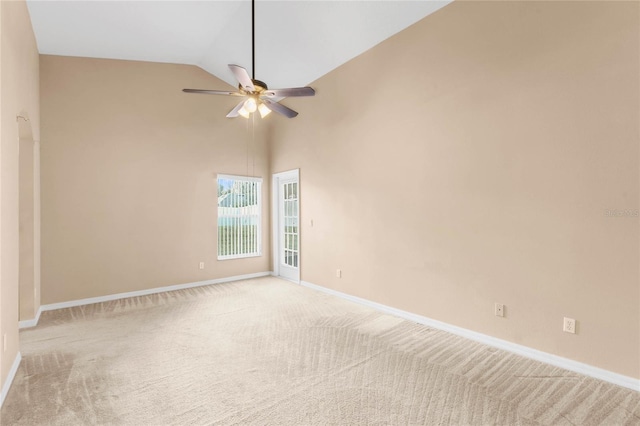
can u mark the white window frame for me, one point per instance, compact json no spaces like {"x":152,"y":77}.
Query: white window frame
{"x":259,"y":220}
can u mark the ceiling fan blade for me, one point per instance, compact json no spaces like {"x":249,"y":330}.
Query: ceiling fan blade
{"x":288,"y":93}
{"x":279,"y":108}
{"x":234,"y":112}
{"x":212,"y":92}
{"x":243,"y":77}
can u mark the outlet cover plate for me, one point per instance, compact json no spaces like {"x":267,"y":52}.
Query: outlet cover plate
{"x":569,"y":325}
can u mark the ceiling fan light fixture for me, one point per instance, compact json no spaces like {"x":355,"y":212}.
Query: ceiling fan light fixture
{"x":251,"y":105}
{"x":243,"y":112}
{"x":264,"y":110}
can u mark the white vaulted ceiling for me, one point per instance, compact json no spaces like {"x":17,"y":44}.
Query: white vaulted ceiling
{"x":296,"y":41}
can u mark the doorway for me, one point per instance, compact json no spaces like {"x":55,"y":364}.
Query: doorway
{"x":286,"y":225}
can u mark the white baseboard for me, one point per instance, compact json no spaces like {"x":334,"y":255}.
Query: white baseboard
{"x":10,"y":377}
{"x":555,"y":360}
{"x":31,"y":322}
{"x":117,"y":296}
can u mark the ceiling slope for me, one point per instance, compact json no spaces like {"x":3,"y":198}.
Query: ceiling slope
{"x":296,"y":41}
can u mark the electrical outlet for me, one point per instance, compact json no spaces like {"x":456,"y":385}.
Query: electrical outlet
{"x":569,"y":325}
{"x":339,"y":273}
{"x":499,"y":309}
{"x":4,"y":342}
{"x":201,"y":265}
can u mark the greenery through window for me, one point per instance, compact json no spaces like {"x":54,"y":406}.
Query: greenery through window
{"x":239,"y":216}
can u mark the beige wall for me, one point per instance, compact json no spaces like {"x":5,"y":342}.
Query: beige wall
{"x":129,"y":167}
{"x":28,"y":220}
{"x":470,"y":160}
{"x":26,"y":196}
{"x":20,"y":96}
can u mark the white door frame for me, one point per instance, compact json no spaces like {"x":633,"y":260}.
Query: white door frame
{"x":275,"y":217}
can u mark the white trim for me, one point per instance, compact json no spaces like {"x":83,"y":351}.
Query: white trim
{"x":110,"y":297}
{"x":240,"y":256}
{"x":10,"y":377}
{"x":237,"y":177}
{"x":275,"y":244}
{"x":555,"y":360}
{"x":275,"y":217}
{"x":30,"y":322}
{"x":288,"y":279}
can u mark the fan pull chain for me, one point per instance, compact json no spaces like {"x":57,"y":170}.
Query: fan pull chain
{"x":247,"y":129}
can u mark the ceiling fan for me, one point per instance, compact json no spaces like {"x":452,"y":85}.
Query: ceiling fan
{"x":256,"y":94}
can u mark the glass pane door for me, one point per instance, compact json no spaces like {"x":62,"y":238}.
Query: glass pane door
{"x":290,"y":234}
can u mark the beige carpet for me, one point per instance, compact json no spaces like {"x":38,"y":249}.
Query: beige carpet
{"x":266,"y":351}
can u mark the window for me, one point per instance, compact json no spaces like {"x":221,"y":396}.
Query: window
{"x":239,"y":216}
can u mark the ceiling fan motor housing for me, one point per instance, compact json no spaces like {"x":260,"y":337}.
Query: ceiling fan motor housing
{"x":260,"y":86}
